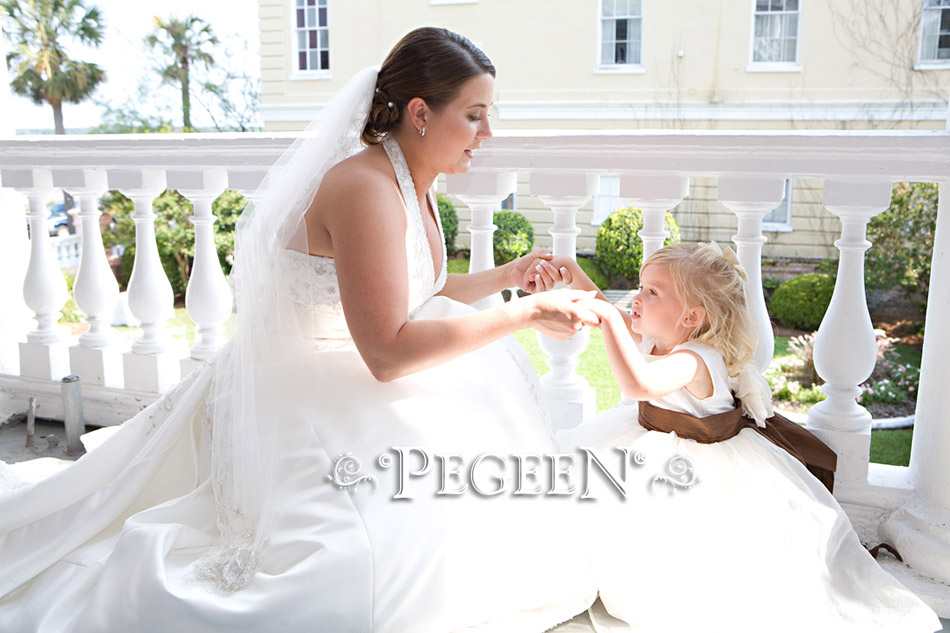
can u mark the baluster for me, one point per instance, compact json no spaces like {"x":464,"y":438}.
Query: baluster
{"x":153,"y":363}
{"x":751,"y":199}
{"x":919,"y":529}
{"x":208,"y":296}
{"x":845,"y":348}
{"x":569,"y":397}
{"x":15,"y":316}
{"x":45,"y":354}
{"x":97,"y":360}
{"x":654,"y":195}
{"x":482,"y":192}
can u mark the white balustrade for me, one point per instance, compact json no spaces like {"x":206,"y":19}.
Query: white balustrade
{"x":845,"y":347}
{"x":153,"y":363}
{"x":654,"y":195}
{"x":919,"y":530}
{"x":751,"y":199}
{"x":45,"y":352}
{"x":15,"y":317}
{"x":208,"y":296}
{"x":858,"y":167}
{"x":569,"y":397}
{"x":482,"y":193}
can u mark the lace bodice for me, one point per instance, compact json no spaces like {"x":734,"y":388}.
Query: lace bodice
{"x":314,"y":287}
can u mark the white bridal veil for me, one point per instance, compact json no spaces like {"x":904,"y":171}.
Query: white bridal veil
{"x":243,"y":432}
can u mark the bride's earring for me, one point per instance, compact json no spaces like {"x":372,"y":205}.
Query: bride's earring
{"x":422,"y":131}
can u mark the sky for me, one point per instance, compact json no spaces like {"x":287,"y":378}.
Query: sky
{"x":125,"y":58}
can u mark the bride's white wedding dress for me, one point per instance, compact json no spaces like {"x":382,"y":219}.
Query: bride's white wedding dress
{"x":124,"y":539}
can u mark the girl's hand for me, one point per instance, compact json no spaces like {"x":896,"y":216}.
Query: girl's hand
{"x":560,"y":314}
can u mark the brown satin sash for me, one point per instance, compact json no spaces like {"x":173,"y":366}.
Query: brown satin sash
{"x":794,"y":439}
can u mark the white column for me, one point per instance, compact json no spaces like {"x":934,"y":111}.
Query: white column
{"x":15,"y":317}
{"x":482,"y":192}
{"x":45,"y":353}
{"x":845,"y":349}
{"x":751,"y":199}
{"x":153,"y":363}
{"x":568,"y":396}
{"x":208,"y":296}
{"x":654,"y":195}
{"x":97,"y":360}
{"x":919,"y":529}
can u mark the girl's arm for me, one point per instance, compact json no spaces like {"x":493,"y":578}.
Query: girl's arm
{"x":639,"y":378}
{"x":363,"y":213}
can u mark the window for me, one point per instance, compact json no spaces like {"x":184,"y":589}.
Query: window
{"x":607,"y":200}
{"x":313,"y":37}
{"x":776,"y":32}
{"x":935,"y":31}
{"x":780,"y":218}
{"x":621,"y":23}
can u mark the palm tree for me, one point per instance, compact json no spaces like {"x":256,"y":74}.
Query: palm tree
{"x":39,"y":64}
{"x":183,"y":42}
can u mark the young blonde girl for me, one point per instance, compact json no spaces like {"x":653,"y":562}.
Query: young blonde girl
{"x":719,"y":531}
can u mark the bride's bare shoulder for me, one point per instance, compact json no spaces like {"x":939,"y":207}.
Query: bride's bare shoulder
{"x":365,"y":173}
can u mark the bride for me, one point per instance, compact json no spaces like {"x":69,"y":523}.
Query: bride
{"x":307,"y":478}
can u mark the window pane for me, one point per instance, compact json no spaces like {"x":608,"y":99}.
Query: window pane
{"x":313,"y":39}
{"x":323,"y":16}
{"x":300,"y":3}
{"x":300,"y":20}
{"x":607,"y":53}
{"x":791,"y":25}
{"x":776,"y":5}
{"x":929,"y":32}
{"x":943,"y":46}
{"x":324,"y":39}
{"x":634,"y":52}
{"x":635,"y":28}
{"x":791,"y":5}
{"x":314,"y":60}
{"x":301,"y":61}
{"x":789,"y":54}
{"x":607,"y":33}
{"x":931,"y":3}
{"x":311,"y":17}
{"x":945,"y":20}
{"x":636,"y":8}
{"x":761,"y":25}
{"x":761,"y":5}
{"x":608,"y":10}
{"x":301,"y":40}
{"x":621,"y":31}
{"x":325,"y":59}
{"x":620,"y":52}
{"x":311,"y":2}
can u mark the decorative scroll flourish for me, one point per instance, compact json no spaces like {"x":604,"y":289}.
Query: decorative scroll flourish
{"x":346,"y":467}
{"x":681,"y":474}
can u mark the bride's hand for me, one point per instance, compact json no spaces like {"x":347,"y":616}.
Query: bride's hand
{"x":561,"y":313}
{"x":524,"y":272}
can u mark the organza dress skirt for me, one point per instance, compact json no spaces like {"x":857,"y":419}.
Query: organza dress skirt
{"x":112,"y":542}
{"x":737,"y":536}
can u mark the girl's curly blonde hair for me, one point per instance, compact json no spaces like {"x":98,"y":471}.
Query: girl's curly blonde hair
{"x":704,"y":276}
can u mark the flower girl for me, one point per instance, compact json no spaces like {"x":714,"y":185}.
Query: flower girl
{"x":729,"y":531}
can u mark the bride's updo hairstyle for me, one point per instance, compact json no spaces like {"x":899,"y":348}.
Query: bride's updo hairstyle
{"x":430,"y":63}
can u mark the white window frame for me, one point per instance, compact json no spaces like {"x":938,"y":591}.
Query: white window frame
{"x":620,"y":69}
{"x":930,"y":64}
{"x":607,"y":199}
{"x":304,"y":75}
{"x":781,"y":226}
{"x":776,"y":67}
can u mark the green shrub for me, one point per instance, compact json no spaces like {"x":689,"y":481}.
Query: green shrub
{"x":801,"y":302}
{"x":619,"y":248}
{"x":903,"y":239}
{"x":450,"y":222}
{"x":594,"y":272}
{"x":174,"y":232}
{"x":514,"y":236}
{"x":70,"y":312}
